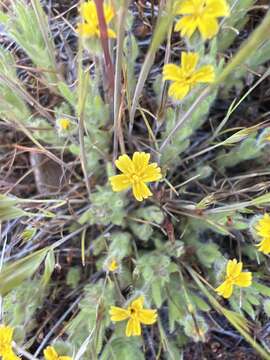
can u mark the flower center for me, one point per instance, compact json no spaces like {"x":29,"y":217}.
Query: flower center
{"x":134,"y":178}
{"x":133,"y":312}
{"x":231,"y":278}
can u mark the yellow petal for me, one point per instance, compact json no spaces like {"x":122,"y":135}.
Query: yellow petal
{"x":125,"y":164}
{"x":217,"y":8}
{"x":140,"y":161}
{"x":189,"y":61}
{"x":147,"y":316}
{"x":140,"y":191}
{"x":133,"y":328}
{"x":10,"y":355}
{"x":172,"y":72}
{"x":205,"y":74}
{"x":178,"y":90}
{"x":208,"y":27}
{"x":244,"y":279}
{"x":234,"y":268}
{"x":108,"y":13}
{"x":119,"y":182}
{"x":86,"y":30}
{"x":118,"y":314}
{"x":64,"y":358}
{"x":6,"y":334}
{"x":225,"y":289}
{"x":138,"y":303}
{"x":50,"y":353}
{"x":152,"y":173}
{"x":186,"y":25}
{"x":187,"y":7}
{"x":263,"y":226}
{"x":264,"y":246}
{"x":89,"y":12}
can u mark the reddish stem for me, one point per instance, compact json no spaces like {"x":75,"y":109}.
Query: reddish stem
{"x":105,"y":44}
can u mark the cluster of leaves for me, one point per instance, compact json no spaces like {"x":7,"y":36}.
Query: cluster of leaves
{"x":157,"y":245}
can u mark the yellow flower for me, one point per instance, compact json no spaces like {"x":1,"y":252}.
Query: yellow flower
{"x":185,"y":77}
{"x":6,"y":335}
{"x":113,"y":265}
{"x":201,"y":15}
{"x":136,"y":316}
{"x":51,"y":354}
{"x":90,"y":25}
{"x":64,"y":124}
{"x":262,"y":229}
{"x":136,"y":173}
{"x":234,"y":276}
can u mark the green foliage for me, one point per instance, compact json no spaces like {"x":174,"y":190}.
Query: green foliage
{"x":123,"y":348}
{"x":73,"y":277}
{"x":20,"y":306}
{"x":247,"y":150}
{"x":24,"y":27}
{"x":92,"y":315}
{"x":14,"y":273}
{"x":210,"y":215}
{"x":9,"y":210}
{"x":106,"y":207}
{"x":12,"y":106}
{"x":234,"y":23}
{"x":195,"y":327}
{"x":156,"y":274}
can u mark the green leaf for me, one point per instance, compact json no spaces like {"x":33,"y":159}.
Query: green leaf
{"x":16,"y":272}
{"x":49,"y":267}
{"x":122,"y":349}
{"x":262,"y":289}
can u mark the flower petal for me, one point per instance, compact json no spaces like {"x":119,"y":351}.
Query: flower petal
{"x":233,"y":268}
{"x":108,"y":13}
{"x":225,"y":289}
{"x":50,"y":353}
{"x":148,"y":316}
{"x":187,"y":7}
{"x":10,"y":355}
{"x":208,"y":27}
{"x":89,"y":12}
{"x":172,"y":72}
{"x":125,"y":164}
{"x":118,"y":314}
{"x":140,"y":161}
{"x":244,"y":279}
{"x":217,"y":8}
{"x":205,"y":74}
{"x":138,"y":303}
{"x":264,"y":246}
{"x":189,"y":61}
{"x":178,"y":90}
{"x":6,"y":334}
{"x":152,"y":173}
{"x":86,"y":30}
{"x":133,"y":328}
{"x":186,"y":25}
{"x":141,"y":191}
{"x":119,"y":182}
{"x":64,"y":358}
